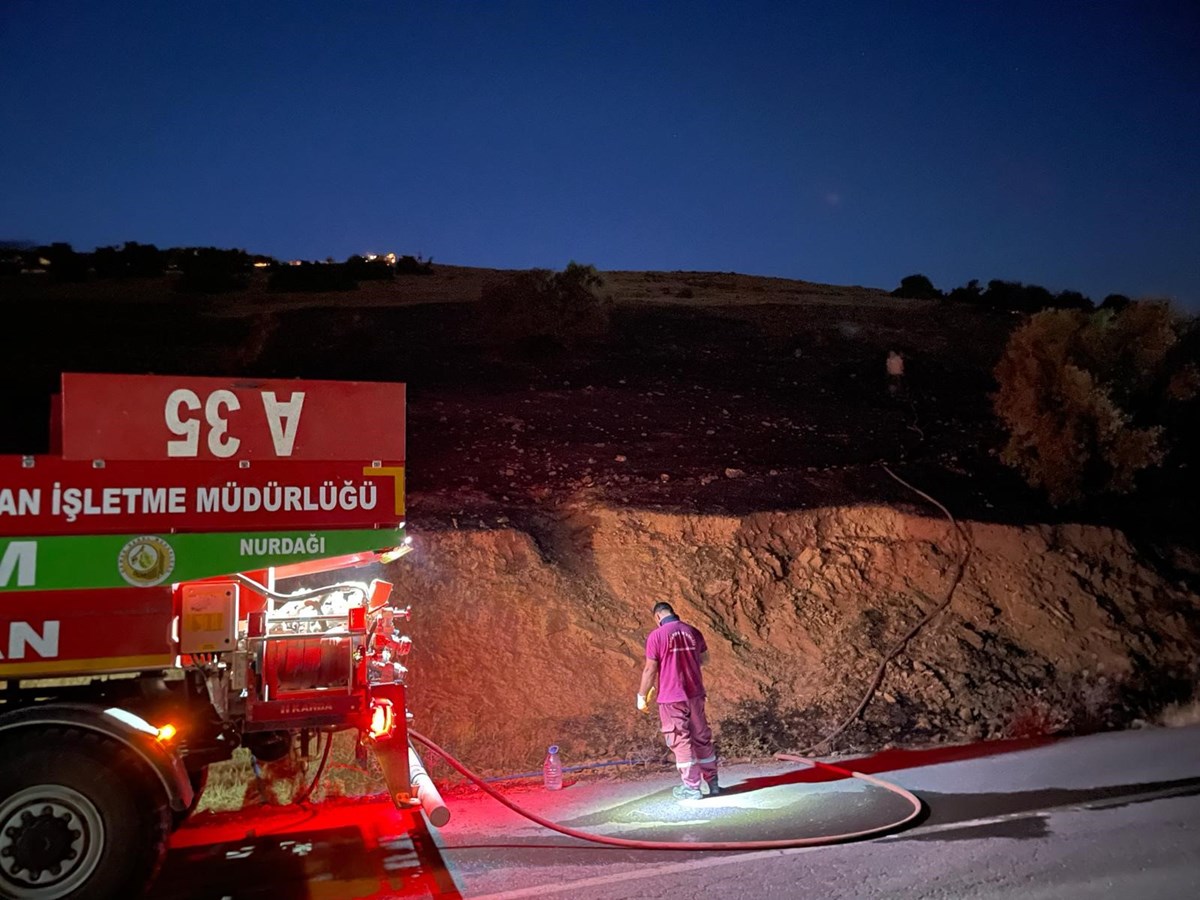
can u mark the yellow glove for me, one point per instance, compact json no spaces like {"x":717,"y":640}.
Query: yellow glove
{"x":644,"y":700}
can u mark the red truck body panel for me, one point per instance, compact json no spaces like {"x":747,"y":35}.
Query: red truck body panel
{"x":166,"y":479}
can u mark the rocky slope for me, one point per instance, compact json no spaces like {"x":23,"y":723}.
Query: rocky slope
{"x":532,"y":635}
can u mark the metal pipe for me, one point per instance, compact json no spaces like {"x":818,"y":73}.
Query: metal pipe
{"x":426,"y":791}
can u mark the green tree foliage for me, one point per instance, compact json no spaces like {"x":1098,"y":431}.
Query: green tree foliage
{"x":540,"y":306}
{"x":1084,"y":396}
{"x":917,"y":287}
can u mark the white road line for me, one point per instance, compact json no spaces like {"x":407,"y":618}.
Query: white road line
{"x":971,"y":823}
{"x":642,"y":873}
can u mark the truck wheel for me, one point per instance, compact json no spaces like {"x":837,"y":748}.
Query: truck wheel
{"x":79,"y":818}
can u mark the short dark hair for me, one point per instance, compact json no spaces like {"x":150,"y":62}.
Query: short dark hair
{"x":663,"y":607}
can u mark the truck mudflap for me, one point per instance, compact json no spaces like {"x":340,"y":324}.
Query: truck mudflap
{"x":408,"y":783}
{"x":119,"y":724}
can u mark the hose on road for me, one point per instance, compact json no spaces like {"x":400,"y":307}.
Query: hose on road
{"x":812,"y":841}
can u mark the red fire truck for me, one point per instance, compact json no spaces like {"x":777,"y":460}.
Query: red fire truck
{"x":195,"y":566}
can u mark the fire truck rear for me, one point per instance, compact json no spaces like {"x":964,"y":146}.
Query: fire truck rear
{"x":195,"y":566}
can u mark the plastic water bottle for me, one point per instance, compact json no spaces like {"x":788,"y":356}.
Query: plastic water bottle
{"x":552,"y":769}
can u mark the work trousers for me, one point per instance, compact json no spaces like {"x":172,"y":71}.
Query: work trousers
{"x":690,"y":739}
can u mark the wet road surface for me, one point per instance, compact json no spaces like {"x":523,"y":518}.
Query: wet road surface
{"x":1118,"y":812}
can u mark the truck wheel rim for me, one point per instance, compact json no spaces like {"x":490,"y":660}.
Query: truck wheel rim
{"x":51,"y":839}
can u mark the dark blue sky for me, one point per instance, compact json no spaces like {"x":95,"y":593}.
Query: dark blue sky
{"x":1056,"y":143}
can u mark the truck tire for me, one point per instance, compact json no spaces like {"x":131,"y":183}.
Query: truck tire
{"x":80,"y":818}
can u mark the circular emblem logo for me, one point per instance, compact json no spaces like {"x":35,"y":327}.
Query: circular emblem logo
{"x":146,"y":561}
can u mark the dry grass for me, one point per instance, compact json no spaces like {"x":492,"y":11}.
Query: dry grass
{"x":1180,"y":715}
{"x":233,"y":785}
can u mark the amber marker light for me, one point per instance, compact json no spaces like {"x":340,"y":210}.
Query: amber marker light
{"x":387,"y":556}
{"x":382,"y":719}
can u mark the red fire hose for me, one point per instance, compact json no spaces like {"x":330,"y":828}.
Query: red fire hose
{"x":816,"y":841}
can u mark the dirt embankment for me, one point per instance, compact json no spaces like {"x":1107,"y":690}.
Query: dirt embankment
{"x":714,"y":399}
{"x":532,"y":635}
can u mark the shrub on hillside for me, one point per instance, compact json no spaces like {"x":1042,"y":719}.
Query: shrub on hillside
{"x":1084,"y":396}
{"x":63,"y":263}
{"x":541,"y":306}
{"x":1013,"y":296}
{"x":133,"y":260}
{"x":362,"y":269}
{"x":414,"y":265}
{"x":967,"y":293}
{"x":917,"y":287}
{"x":1072,"y":300}
{"x":210,"y":270}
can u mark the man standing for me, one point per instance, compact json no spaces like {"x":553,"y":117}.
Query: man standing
{"x":674,"y":653}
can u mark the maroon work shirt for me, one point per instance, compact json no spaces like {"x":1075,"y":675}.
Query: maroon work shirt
{"x":677,"y":647}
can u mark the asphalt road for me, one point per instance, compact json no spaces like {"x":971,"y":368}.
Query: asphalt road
{"x":1110,"y":815}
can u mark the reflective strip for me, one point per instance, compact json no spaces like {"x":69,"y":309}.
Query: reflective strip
{"x":706,"y":759}
{"x":49,"y":668}
{"x":685,"y":765}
